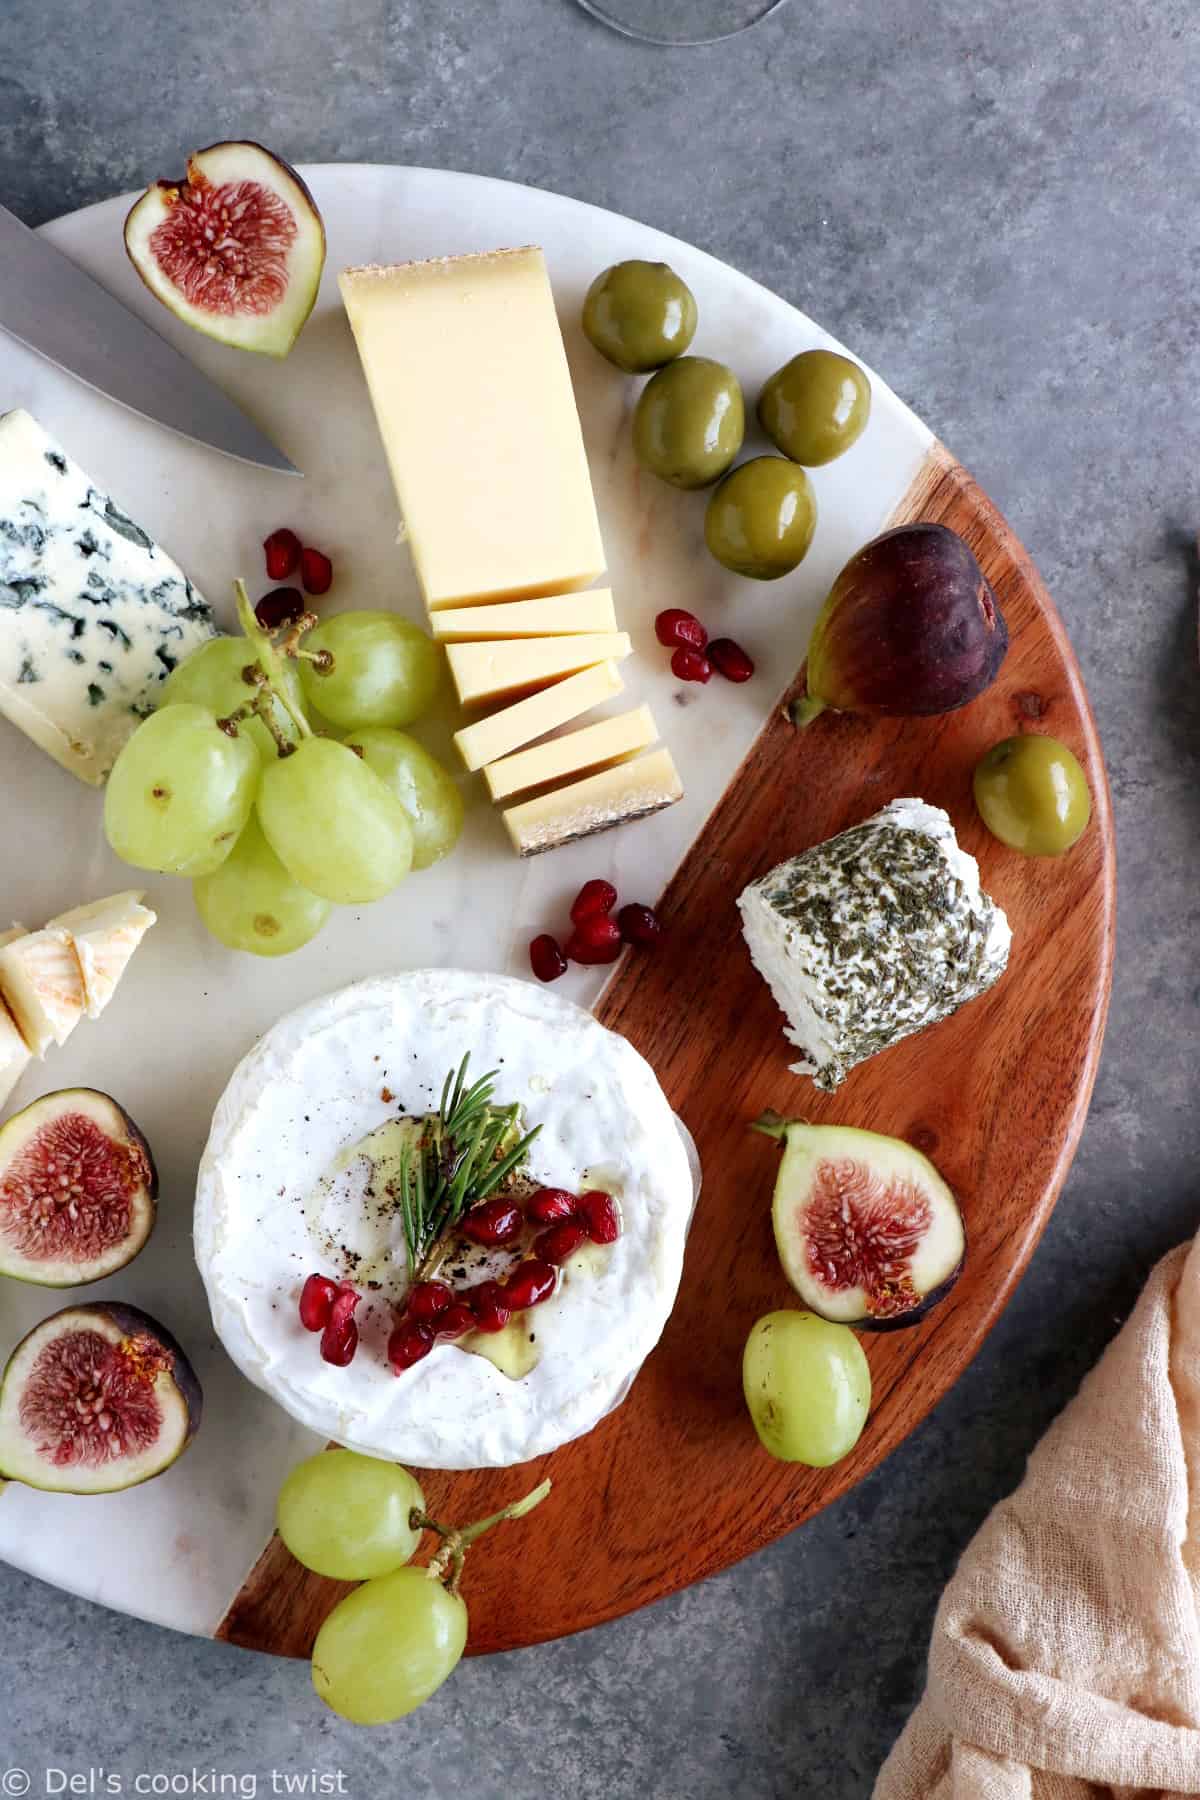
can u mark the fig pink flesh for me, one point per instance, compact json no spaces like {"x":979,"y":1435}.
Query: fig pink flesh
{"x":225,"y":246}
{"x":67,"y":1196}
{"x":89,"y":1401}
{"x":859,"y":1232}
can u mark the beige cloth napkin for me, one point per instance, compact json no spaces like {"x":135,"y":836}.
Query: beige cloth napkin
{"x":1065,"y":1659}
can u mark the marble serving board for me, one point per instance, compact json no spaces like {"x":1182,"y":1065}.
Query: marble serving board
{"x":177,"y":1550}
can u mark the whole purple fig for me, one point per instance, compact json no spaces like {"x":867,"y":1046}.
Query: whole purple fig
{"x":911,"y":626}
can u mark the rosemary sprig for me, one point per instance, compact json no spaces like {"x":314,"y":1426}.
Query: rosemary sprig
{"x":456,"y":1162}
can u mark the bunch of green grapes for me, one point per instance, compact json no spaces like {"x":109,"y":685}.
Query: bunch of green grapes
{"x":390,"y":1644}
{"x":276,"y":822}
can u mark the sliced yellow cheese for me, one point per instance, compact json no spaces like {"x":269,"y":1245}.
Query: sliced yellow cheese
{"x":42,"y":987}
{"x":631,"y":790}
{"x":105,"y":934}
{"x":556,"y":615}
{"x":591,"y":747}
{"x":467,"y":373}
{"x":482,"y":672}
{"x":493,"y":737}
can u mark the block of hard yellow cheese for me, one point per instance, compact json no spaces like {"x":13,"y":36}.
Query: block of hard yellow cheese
{"x":483,"y":672}
{"x":465,"y":364}
{"x":556,"y":615}
{"x":591,"y":747}
{"x":493,"y":737}
{"x":631,"y":790}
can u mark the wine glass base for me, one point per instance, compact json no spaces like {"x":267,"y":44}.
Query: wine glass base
{"x":681,"y":24}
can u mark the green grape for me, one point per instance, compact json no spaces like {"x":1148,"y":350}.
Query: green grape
{"x":332,"y":823}
{"x":421,"y":785}
{"x":347,"y":1515}
{"x":212,"y":676}
{"x":385,"y":670}
{"x":252,"y":903}
{"x":388,"y":1646}
{"x":808,"y":1386}
{"x":180,"y":792}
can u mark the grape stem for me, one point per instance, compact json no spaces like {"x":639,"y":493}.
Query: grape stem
{"x":269,"y":661}
{"x":457,"y":1540}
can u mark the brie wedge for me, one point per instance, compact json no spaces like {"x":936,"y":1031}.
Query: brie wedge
{"x":285,"y":1190}
{"x":105,"y":934}
{"x":42,"y":986}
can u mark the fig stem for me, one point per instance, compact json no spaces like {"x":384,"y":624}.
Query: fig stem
{"x":771,"y":1124}
{"x":802,"y":712}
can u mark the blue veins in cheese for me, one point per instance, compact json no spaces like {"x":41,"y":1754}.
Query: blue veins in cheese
{"x":93,"y":614}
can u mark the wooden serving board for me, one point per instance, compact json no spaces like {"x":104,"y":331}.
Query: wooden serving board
{"x":673,"y":1486}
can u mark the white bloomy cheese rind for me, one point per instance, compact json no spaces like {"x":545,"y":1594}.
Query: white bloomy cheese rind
{"x":93,"y":614}
{"x":312,"y":1089}
{"x":873,"y":935}
{"x":468,"y":376}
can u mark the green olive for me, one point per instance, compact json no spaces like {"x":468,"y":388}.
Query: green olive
{"x":639,"y":315}
{"x":761,"y":519}
{"x":1033,"y":795}
{"x":689,"y":422}
{"x":815,"y":407}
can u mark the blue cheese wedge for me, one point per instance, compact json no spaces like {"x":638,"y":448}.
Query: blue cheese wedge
{"x":93,"y":614}
{"x":873,"y":935}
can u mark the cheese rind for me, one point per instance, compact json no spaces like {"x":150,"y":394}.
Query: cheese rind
{"x":468,"y":376}
{"x":93,"y":614}
{"x":555,"y":615}
{"x":493,"y":737}
{"x":631,"y":790}
{"x":591,"y":747}
{"x":483,"y":672}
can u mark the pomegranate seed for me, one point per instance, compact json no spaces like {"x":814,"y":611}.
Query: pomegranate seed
{"x":689,"y":665}
{"x":593,"y":897}
{"x":581,"y":952}
{"x":495,"y":1221}
{"x":428,"y":1300}
{"x":282,"y":551}
{"x":316,"y":1298}
{"x":730,"y":660}
{"x":674,"y":627}
{"x":456,"y":1321}
{"x":339,"y":1341}
{"x":280,"y":607}
{"x":546,"y":959}
{"x":639,"y":925}
{"x":549,"y":1205}
{"x":562,"y":1240}
{"x":407,"y":1345}
{"x":532,"y":1282}
{"x":316,"y":571}
{"x":489,"y":1306}
{"x":600,"y":1217}
{"x":596,"y":939}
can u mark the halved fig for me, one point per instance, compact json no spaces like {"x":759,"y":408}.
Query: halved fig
{"x":235,"y":249}
{"x":867,"y":1231}
{"x":95,"y":1399}
{"x":78,"y":1189}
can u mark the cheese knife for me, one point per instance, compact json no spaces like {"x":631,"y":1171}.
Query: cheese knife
{"x":54,"y":308}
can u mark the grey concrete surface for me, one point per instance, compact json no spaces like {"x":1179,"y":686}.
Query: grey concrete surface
{"x":996,"y":205}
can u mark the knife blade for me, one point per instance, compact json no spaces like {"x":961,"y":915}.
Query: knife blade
{"x":54,"y":308}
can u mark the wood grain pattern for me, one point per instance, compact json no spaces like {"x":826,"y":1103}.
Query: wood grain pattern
{"x":674,"y":1487}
